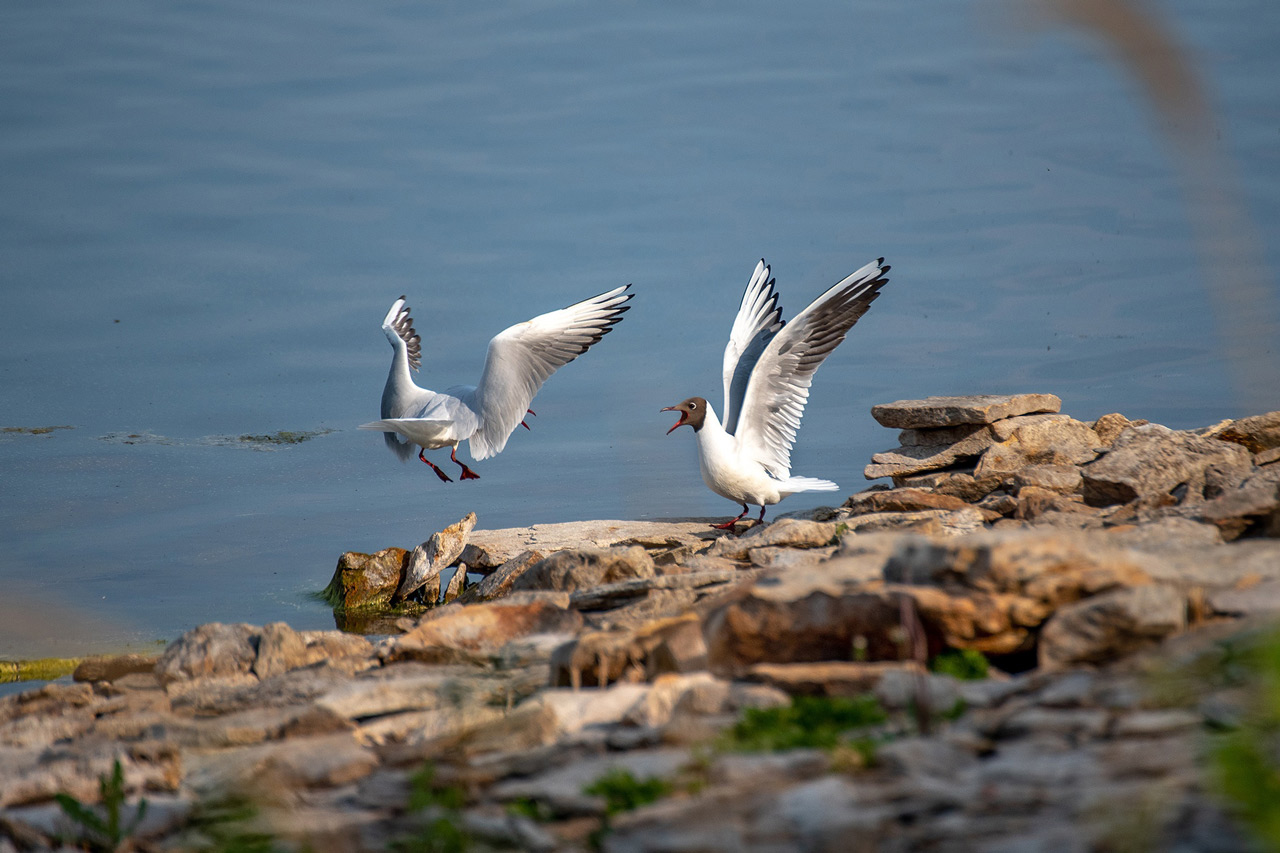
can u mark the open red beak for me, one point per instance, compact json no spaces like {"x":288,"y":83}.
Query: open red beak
{"x":679,"y":423}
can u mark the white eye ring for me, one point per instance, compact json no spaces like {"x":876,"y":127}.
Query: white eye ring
{"x":693,"y":406}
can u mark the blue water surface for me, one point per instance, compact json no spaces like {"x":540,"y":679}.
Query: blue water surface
{"x":207,"y":208}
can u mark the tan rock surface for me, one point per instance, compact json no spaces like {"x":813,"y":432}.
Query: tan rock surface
{"x":951,"y":411}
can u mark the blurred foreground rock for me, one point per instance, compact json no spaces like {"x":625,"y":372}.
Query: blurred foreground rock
{"x":1108,"y":572}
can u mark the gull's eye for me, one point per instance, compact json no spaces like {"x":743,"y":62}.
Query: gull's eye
{"x":693,"y":406}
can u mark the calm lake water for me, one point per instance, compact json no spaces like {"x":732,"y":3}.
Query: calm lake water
{"x":207,"y":208}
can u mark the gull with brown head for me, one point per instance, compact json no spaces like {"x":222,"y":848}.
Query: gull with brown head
{"x":768,"y":368}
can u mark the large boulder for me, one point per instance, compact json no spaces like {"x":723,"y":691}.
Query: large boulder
{"x":1149,"y":462}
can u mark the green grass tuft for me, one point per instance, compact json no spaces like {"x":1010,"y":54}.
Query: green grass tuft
{"x":623,"y":792}
{"x":808,"y":722}
{"x":964,"y":664}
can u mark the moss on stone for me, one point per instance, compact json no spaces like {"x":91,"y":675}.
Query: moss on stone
{"x":40,"y":669}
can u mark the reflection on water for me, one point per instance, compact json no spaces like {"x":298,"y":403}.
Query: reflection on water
{"x":206,"y":210}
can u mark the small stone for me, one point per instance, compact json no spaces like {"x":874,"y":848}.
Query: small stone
{"x":950,"y":411}
{"x":454,"y":589}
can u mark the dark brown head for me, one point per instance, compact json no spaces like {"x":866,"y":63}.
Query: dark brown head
{"x":692,"y":412}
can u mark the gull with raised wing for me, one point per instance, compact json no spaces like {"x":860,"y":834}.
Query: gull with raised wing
{"x":768,"y":367}
{"x":518,"y":361}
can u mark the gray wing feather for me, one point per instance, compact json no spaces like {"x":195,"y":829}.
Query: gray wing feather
{"x":779,"y":387}
{"x":759,"y":318}
{"x":522,"y":357}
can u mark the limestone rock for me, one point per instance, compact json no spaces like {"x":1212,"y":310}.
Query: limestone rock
{"x":1258,"y":433}
{"x":1048,"y":566}
{"x":583,"y":568}
{"x":905,"y":461}
{"x":312,"y":762}
{"x":457,"y":633}
{"x":950,"y":411}
{"x":785,"y":532}
{"x":211,"y":651}
{"x":1005,"y":429}
{"x":1164,"y":534}
{"x":930,"y":522}
{"x":488,"y":549}
{"x":456,"y":582}
{"x":1260,"y":599}
{"x":114,"y":667}
{"x":1064,"y":479}
{"x":963,"y":435}
{"x":613,"y":595}
{"x":498,"y":582}
{"x":1149,"y":462}
{"x":999,"y":462}
{"x":281,"y":649}
{"x":1109,"y":427}
{"x":827,"y":678}
{"x":1055,"y":441}
{"x":366,"y":580}
{"x":602,"y":657}
{"x":1111,"y":625}
{"x":1253,"y":507}
{"x":901,"y":500}
{"x":434,"y":555}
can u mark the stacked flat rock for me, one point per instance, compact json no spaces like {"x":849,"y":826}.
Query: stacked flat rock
{"x":940,"y":433}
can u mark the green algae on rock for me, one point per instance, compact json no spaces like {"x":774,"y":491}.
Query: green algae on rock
{"x":41,"y":669}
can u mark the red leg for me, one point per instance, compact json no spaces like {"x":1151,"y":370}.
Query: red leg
{"x":467,"y":473}
{"x":525,"y":425}
{"x":728,"y":525}
{"x":442,"y":475}
{"x":762,"y":513}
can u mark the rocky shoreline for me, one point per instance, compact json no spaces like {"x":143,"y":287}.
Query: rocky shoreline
{"x":1048,"y":634}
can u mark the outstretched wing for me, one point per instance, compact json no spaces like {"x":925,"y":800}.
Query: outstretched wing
{"x":399,"y":323}
{"x":779,"y":386}
{"x":759,"y":319}
{"x":521,"y":358}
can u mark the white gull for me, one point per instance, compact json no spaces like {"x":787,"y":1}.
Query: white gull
{"x":768,"y":367}
{"x":518,"y":361}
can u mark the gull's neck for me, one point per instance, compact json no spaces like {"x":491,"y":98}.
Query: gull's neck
{"x":400,"y":386}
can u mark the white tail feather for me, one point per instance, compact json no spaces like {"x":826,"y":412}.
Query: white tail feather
{"x":792,"y":485}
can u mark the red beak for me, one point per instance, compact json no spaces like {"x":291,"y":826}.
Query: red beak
{"x":679,"y":423}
